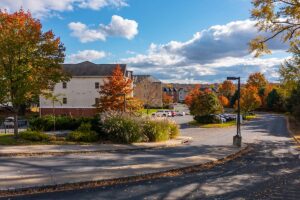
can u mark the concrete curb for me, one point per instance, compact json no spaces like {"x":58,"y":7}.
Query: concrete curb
{"x":123,"y":180}
{"x":290,"y":131}
{"x":68,"y":152}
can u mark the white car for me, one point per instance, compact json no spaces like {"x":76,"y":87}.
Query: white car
{"x":9,"y":122}
{"x":162,"y":113}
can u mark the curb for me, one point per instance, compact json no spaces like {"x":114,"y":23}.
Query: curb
{"x":289,"y":130}
{"x":62,"y":153}
{"x":124,"y":180}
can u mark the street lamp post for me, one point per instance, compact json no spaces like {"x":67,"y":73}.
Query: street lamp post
{"x":237,"y":139}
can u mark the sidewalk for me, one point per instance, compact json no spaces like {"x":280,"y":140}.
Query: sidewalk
{"x":100,"y":148}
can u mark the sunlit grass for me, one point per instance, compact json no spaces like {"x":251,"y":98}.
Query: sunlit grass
{"x":220,"y":125}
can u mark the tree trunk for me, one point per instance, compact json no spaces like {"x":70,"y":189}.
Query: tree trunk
{"x":16,"y":128}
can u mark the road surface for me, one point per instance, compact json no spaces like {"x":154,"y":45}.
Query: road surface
{"x":270,"y":171}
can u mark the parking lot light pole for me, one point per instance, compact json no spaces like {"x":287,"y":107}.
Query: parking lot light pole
{"x":237,"y":139}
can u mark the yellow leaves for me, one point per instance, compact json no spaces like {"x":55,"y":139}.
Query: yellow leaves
{"x":280,"y":18}
{"x":249,"y":100}
{"x":258,"y":46}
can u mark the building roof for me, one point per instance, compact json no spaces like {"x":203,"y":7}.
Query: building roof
{"x":91,"y":69}
{"x":139,"y":78}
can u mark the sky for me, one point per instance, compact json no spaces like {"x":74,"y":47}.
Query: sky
{"x":182,"y":41}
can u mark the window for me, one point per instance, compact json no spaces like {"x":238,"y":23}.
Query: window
{"x":64,"y":85}
{"x":97,"y":101}
{"x":97,"y":85}
{"x":65,"y":101}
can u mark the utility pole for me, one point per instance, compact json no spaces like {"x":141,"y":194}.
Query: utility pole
{"x":237,"y":139}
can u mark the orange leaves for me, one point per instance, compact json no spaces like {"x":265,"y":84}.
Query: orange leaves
{"x":224,"y":101}
{"x":227,"y":89}
{"x":249,"y":100}
{"x":193,"y":93}
{"x":257,"y":80}
{"x":114,"y":90}
{"x":167,"y":99}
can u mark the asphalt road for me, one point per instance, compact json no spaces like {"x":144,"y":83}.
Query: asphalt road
{"x":270,"y":171}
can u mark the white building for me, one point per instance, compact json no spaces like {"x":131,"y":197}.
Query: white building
{"x":79,"y":96}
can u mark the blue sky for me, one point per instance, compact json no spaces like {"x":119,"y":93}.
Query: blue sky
{"x":174,"y":40}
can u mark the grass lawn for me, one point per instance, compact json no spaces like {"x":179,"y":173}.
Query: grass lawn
{"x":250,"y":117}
{"x":223,"y":125}
{"x":9,"y":139}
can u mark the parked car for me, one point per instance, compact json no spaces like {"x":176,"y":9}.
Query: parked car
{"x":162,"y":113}
{"x":180,"y":114}
{"x":9,"y":122}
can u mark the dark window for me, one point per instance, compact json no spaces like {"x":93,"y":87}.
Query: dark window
{"x":64,"y":84}
{"x":97,"y":101}
{"x":65,"y":101}
{"x":97,"y":85}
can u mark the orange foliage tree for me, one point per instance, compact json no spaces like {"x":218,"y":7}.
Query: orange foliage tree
{"x":257,"y":80}
{"x":192,"y":94}
{"x":227,"y":89}
{"x":30,"y":60}
{"x":224,"y":101}
{"x":114,"y":90}
{"x":249,"y":100}
{"x":167,"y":99}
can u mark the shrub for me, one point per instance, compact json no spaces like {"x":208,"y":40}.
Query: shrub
{"x":208,"y":119}
{"x":46,"y":123}
{"x":156,"y":130}
{"x":35,"y":136}
{"x":174,"y":130}
{"x":77,"y":136}
{"x":83,"y":134}
{"x":123,"y":129}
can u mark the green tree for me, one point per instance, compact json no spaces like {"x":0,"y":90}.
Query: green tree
{"x":290,"y":72}
{"x":293,"y":102}
{"x":274,"y":100}
{"x":30,"y":59}
{"x":281,"y":18}
{"x":206,"y":103}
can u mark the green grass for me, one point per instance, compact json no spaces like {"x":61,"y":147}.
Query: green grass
{"x":10,"y":140}
{"x":250,"y":117}
{"x":223,"y":125}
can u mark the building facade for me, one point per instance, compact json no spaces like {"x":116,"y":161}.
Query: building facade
{"x":79,"y":96}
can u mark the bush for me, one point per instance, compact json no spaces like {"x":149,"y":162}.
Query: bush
{"x":35,"y":136}
{"x":77,"y":136}
{"x":128,"y":129}
{"x":83,"y":134}
{"x":46,"y":123}
{"x":208,"y":119}
{"x":156,"y":130}
{"x":174,"y":130}
{"x":123,"y":129}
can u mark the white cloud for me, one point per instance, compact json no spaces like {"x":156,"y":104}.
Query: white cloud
{"x":208,"y":56}
{"x":86,"y":55}
{"x":121,"y":27}
{"x":118,"y":27}
{"x":45,"y":8}
{"x":85,"y":34}
{"x":98,"y":4}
